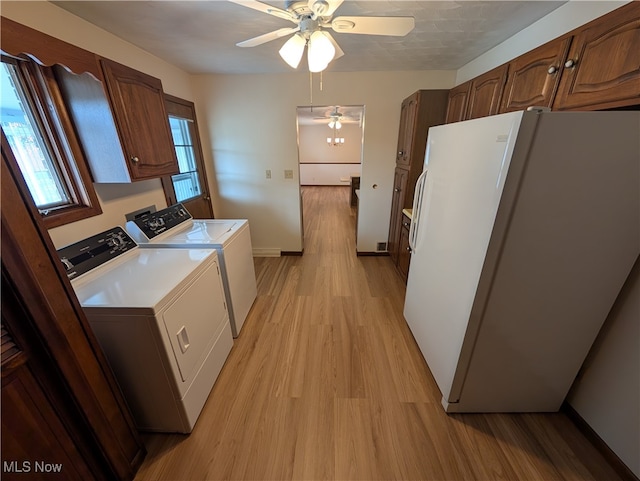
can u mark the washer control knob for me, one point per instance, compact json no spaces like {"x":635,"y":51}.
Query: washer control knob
{"x":67,"y":263}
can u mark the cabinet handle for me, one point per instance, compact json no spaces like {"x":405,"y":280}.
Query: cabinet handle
{"x":553,"y":69}
{"x":406,"y":224}
{"x":408,"y":249}
{"x":135,"y":160}
{"x":396,"y":189}
{"x":401,"y":153}
{"x":570,"y":63}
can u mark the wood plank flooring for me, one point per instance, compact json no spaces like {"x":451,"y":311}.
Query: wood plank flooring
{"x":326,"y":382}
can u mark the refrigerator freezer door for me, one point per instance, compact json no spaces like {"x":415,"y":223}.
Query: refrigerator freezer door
{"x":568,"y":242}
{"x":467,"y":164}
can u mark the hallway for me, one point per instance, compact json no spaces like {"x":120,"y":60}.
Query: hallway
{"x":326,"y":382}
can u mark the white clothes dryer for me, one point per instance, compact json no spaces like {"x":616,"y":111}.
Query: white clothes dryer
{"x":160,"y":318}
{"x":174,"y":227}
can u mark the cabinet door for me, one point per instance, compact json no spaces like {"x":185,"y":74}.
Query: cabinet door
{"x":397,"y":202}
{"x":404,"y":251}
{"x":457,"y":105}
{"x":408,"y":113}
{"x":603,"y":65}
{"x":137,"y":102}
{"x":534,"y":77}
{"x":485,"y":93}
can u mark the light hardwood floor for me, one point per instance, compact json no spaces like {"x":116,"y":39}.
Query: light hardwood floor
{"x":326,"y":382}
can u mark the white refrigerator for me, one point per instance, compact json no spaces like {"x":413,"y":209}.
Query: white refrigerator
{"x":525,"y":227}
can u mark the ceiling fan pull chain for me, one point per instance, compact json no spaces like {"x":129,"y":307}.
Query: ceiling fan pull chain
{"x":321,"y":80}
{"x":311,"y":89}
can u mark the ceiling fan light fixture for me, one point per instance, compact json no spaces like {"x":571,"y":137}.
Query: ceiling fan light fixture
{"x":320,"y":51}
{"x":292,"y":50}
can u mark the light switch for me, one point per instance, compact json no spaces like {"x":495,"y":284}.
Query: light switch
{"x":288,"y":174}
{"x":268,"y":173}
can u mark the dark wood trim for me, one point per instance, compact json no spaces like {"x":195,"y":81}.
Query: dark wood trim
{"x":612,"y":458}
{"x":292,"y":253}
{"x":20,"y":41}
{"x":372,"y":254}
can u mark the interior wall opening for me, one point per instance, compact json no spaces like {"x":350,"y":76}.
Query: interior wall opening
{"x":330,"y":149}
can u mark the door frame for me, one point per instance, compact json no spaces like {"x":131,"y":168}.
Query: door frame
{"x":298,"y":123}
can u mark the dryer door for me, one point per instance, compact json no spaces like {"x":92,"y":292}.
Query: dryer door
{"x":194,"y":321}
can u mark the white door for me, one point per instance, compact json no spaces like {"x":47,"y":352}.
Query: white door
{"x":193,"y":320}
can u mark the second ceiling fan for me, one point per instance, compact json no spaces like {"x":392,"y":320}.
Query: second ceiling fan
{"x":312,"y":18}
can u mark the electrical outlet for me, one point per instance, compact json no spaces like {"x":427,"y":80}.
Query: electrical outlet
{"x":268,"y":173}
{"x":288,"y":174}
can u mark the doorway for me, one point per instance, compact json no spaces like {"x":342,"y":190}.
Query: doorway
{"x":189,"y":186}
{"x":330,"y":149}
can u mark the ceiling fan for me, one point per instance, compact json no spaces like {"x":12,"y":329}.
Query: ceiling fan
{"x":312,"y":18}
{"x":336,"y":119}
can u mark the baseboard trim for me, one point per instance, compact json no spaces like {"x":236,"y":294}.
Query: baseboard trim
{"x":266,"y":252}
{"x":612,"y":458}
{"x":372,"y":254}
{"x":292,"y":253}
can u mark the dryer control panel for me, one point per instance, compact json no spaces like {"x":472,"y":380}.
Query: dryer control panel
{"x":94,"y":251}
{"x":151,"y":225}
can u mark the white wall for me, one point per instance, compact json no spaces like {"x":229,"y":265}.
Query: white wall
{"x":251,"y":123}
{"x":607,"y":393}
{"x":562,"y":20}
{"x":115,"y":199}
{"x":314,"y":148}
{"x":328,"y":174}
{"x":324,"y":164}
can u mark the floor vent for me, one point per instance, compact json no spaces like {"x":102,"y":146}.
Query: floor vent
{"x":382,"y":246}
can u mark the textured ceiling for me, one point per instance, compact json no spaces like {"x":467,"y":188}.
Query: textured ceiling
{"x":200,"y":36}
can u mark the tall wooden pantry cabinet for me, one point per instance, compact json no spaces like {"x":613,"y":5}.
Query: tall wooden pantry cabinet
{"x":419,"y":111}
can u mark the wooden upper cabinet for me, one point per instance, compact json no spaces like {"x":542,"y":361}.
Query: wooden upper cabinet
{"x":457,"y":104}
{"x":118,"y":113}
{"x":603,"y":66}
{"x":420,"y":111}
{"x":533,"y":78}
{"x":408,"y":117}
{"x":137,"y":101}
{"x":485,"y":93}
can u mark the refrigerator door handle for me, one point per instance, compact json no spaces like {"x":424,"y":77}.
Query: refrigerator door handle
{"x":415,"y":213}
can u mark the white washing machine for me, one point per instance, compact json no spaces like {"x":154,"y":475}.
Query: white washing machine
{"x":174,"y":227}
{"x":161,"y":320}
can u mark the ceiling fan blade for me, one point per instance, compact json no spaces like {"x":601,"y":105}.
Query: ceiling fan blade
{"x":265,"y":8}
{"x":267,"y":37}
{"x":324,"y":8}
{"x":395,"y":26}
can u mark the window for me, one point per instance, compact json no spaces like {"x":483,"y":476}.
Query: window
{"x":42,"y":143}
{"x":186,"y":184}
